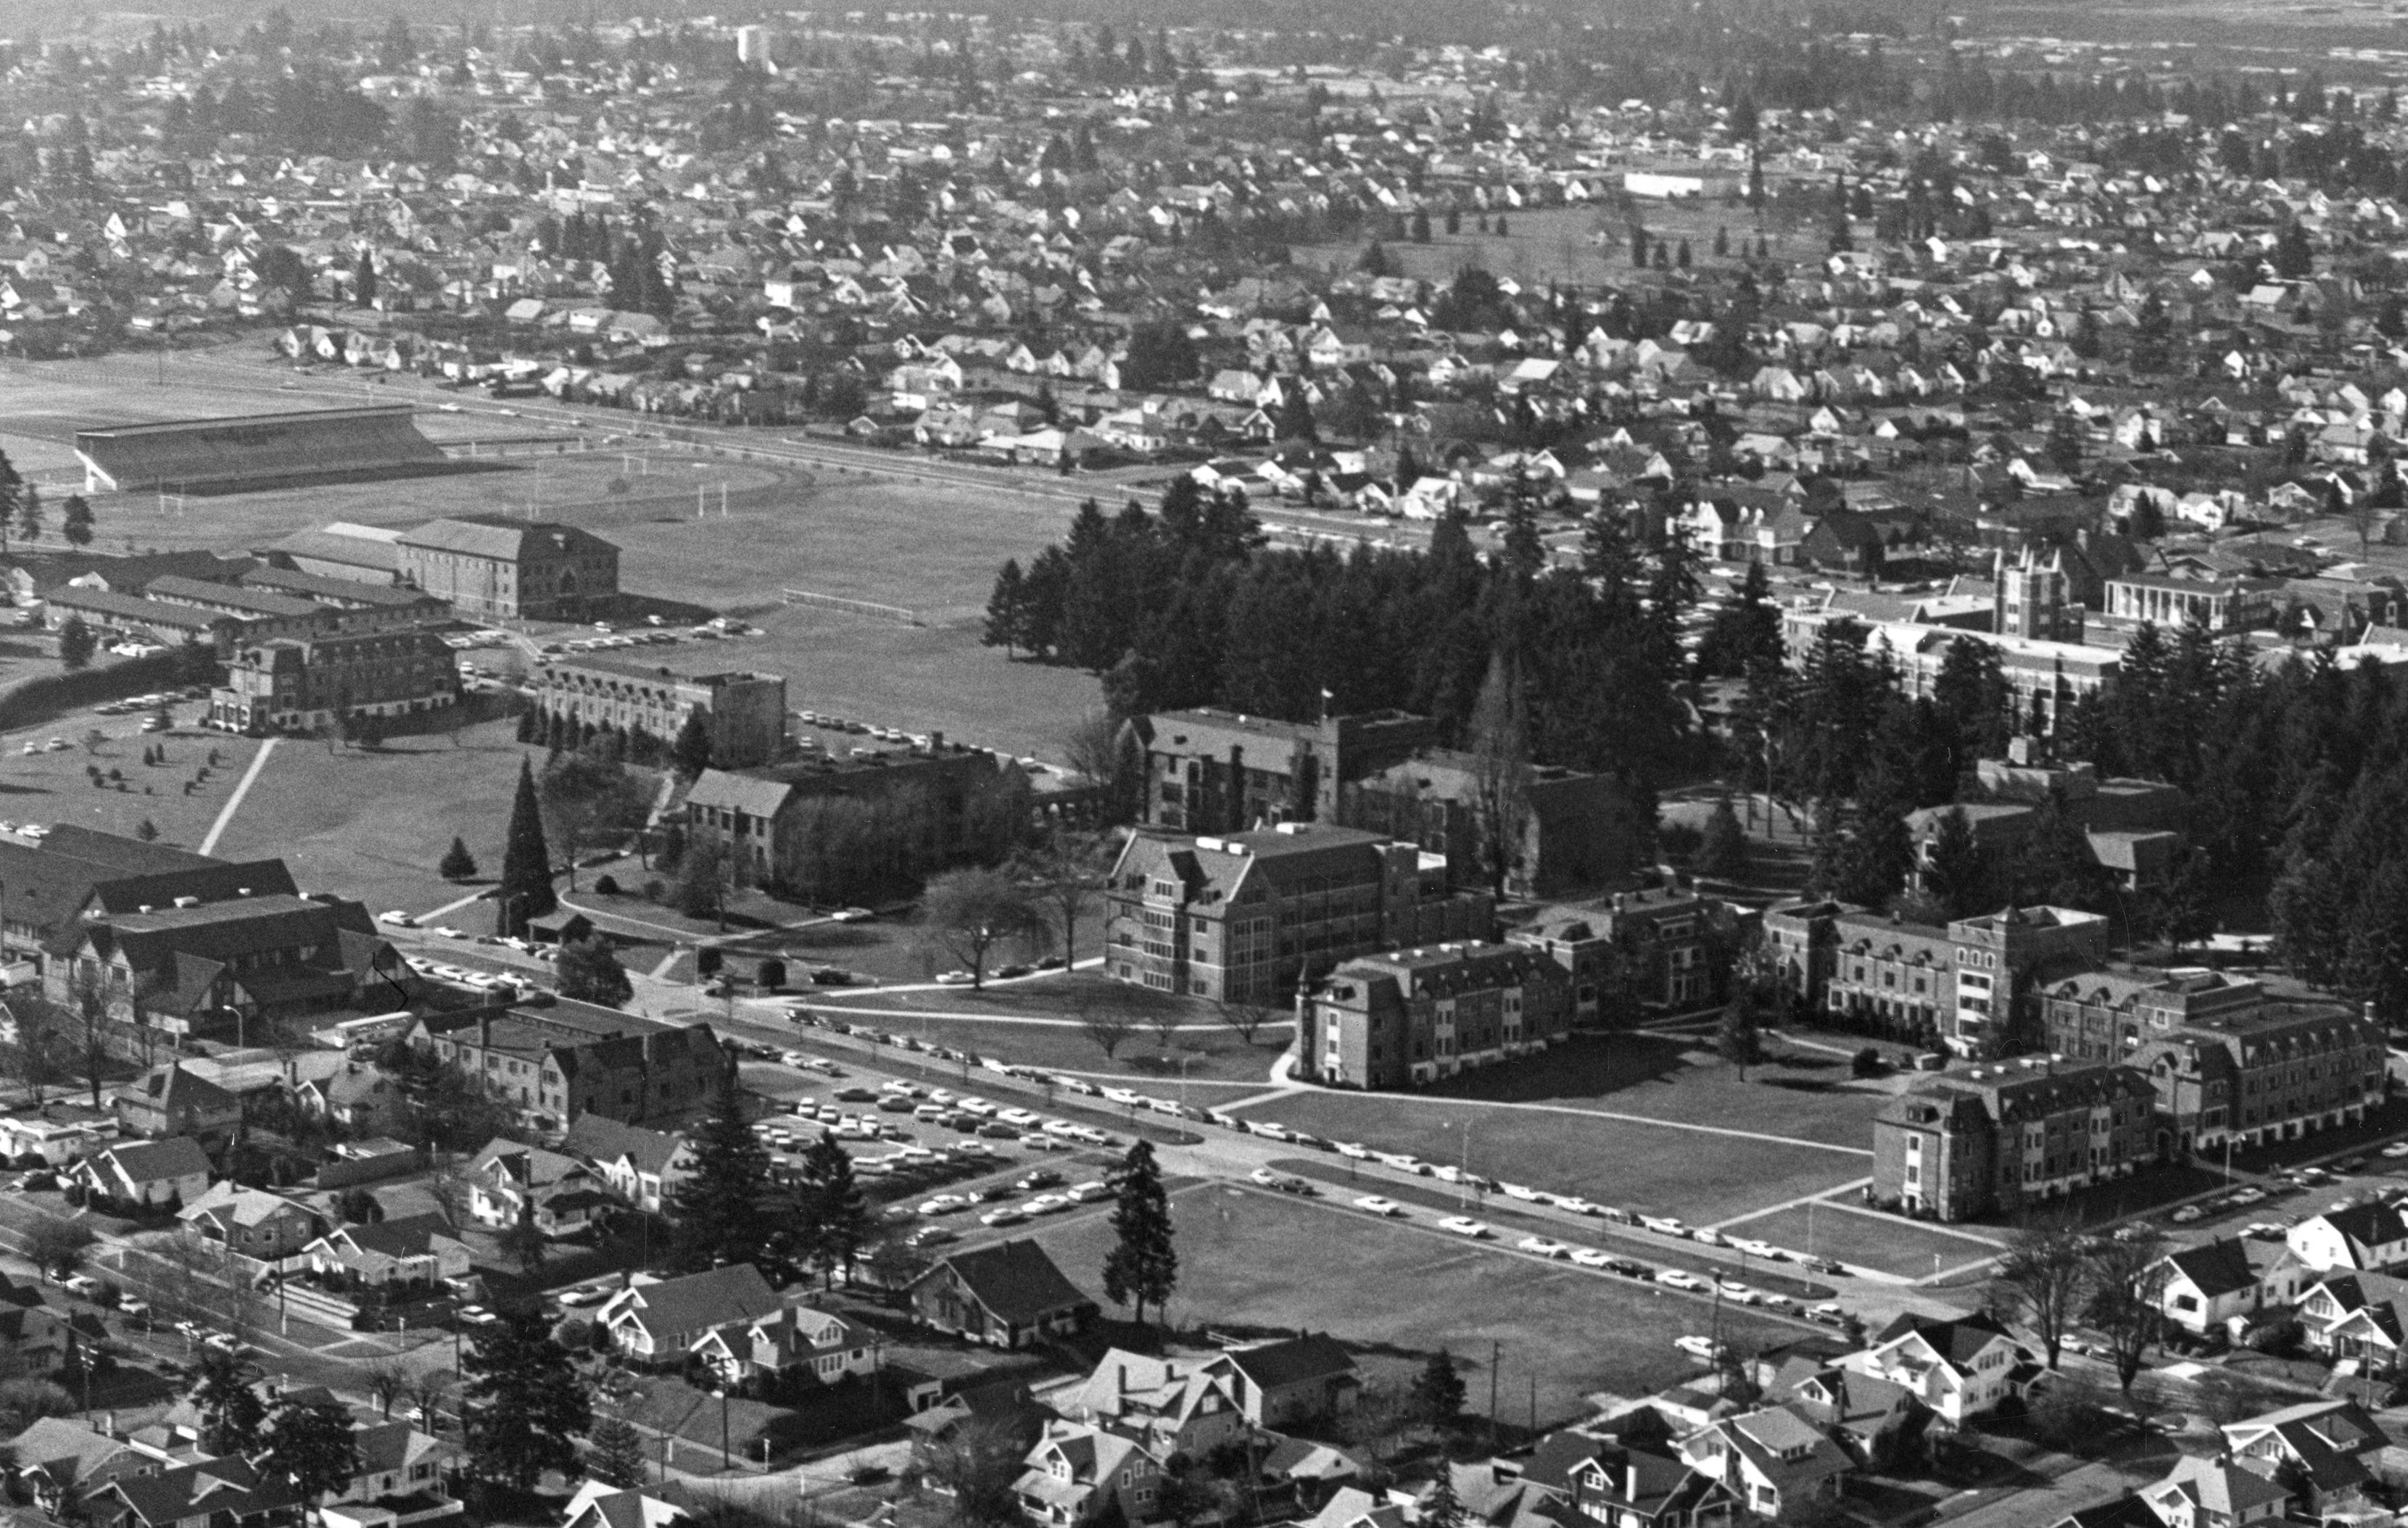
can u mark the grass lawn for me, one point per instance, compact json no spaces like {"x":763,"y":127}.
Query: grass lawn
{"x":1802,"y":1094}
{"x":1410,"y":1291}
{"x":1210,"y":1053}
{"x":1701,"y":1178}
{"x":373,"y":825}
{"x":51,"y":788}
{"x":1884,"y":1242}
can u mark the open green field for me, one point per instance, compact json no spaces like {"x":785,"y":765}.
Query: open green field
{"x":1566,"y":1149}
{"x":1884,"y":1242}
{"x":373,"y":825}
{"x":51,"y":788}
{"x":1412,"y":1291}
{"x":930,"y":549}
{"x":1802,"y":1094}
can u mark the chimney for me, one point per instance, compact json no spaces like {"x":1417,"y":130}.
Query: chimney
{"x":936,"y":741}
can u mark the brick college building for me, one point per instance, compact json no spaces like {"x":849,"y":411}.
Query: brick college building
{"x":1250,"y":917}
{"x":298,"y":684}
{"x":1418,"y":1015}
{"x":1993,"y":1139}
{"x":745,"y":712}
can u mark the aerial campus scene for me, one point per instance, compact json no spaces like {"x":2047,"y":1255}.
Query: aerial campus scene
{"x":1093,"y":765}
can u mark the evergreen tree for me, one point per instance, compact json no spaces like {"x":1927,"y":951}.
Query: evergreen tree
{"x":525,"y":889}
{"x":1958,"y":870}
{"x":690,"y":754}
{"x":1722,"y":849}
{"x":835,"y":1219}
{"x":523,"y":1240}
{"x":590,"y":972}
{"x":1738,"y":1038}
{"x":313,"y":1443}
{"x":1295,"y":418}
{"x":1003,"y":614}
{"x":29,"y":513}
{"x":457,"y":863}
{"x":363,"y":281}
{"x":1442,"y":1508}
{"x":78,"y":642}
{"x":525,"y":1403}
{"x":719,"y":1206}
{"x":233,"y":1416}
{"x":614,"y":1453}
{"x":1437,"y":1395}
{"x":1142,"y":1267}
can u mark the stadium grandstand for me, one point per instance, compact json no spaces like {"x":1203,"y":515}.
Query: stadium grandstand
{"x":258,"y":450}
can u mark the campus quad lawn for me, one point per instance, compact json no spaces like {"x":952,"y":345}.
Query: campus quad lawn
{"x":1802,"y":1094}
{"x":52,"y":788}
{"x":373,"y":825}
{"x":1249,"y":1259}
{"x":1699,"y":1178}
{"x":1882,"y":1242}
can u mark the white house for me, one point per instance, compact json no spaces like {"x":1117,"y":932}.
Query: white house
{"x":2360,"y":1239}
{"x":1959,"y":1368}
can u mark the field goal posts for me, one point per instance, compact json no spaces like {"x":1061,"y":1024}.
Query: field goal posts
{"x":851,"y":607}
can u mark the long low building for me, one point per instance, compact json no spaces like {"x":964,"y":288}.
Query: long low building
{"x":745,"y":712}
{"x":256,"y":450}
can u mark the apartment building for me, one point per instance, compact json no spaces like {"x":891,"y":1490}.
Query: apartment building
{"x":1967,"y":987}
{"x":291,"y":684}
{"x":745,"y":712}
{"x":1248,"y":917}
{"x":1993,"y":1139}
{"x":1413,"y":1016}
{"x":492,"y":568}
{"x":558,"y":1064}
{"x":2284,"y":1071}
{"x":1651,"y":948}
{"x":1212,"y":771}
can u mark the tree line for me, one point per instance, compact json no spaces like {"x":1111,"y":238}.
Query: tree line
{"x":1189,"y":606}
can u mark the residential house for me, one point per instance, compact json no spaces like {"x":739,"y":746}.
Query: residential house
{"x":173,"y":1100}
{"x":598,"y":1504}
{"x":399,"y":1484}
{"x":1010,"y":1295}
{"x":659,"y":1322}
{"x":2218,"y":1493}
{"x":2368,"y":1237}
{"x":828,"y":1348}
{"x":2325,"y":1450}
{"x":2212,"y":1286}
{"x":507,"y":1181}
{"x":1301,"y":1381}
{"x":642,"y":1167}
{"x":175,"y":1171}
{"x":1774,"y":1461}
{"x":1174,"y":1406}
{"x":416,"y":1250}
{"x":1078,"y":1474}
{"x":57,"y":1461}
{"x":1871,"y":1419}
{"x":1635,"y":1485}
{"x":1961,"y":1368}
{"x":253,"y":1222}
{"x":230,"y":1492}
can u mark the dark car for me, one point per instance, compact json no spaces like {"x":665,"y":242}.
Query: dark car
{"x":831,"y":976}
{"x":896,"y":1102}
{"x":1627,"y":1268}
{"x":858,"y":1095}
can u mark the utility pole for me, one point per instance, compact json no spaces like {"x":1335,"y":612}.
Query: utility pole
{"x":1496,"y":1356}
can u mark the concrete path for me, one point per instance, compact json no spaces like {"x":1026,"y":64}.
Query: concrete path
{"x":242,"y":789}
{"x":1799,"y":1202}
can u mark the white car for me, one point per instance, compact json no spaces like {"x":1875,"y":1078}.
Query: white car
{"x":1543,"y":1246}
{"x":1576,"y":1205}
{"x":944,"y":1204}
{"x":1464,"y":1225}
{"x":1664,"y":1225}
{"x":1709,"y":1238}
{"x":1681,"y":1279}
{"x":1754,"y":1247}
{"x":2396,"y":1150}
{"x":1589,"y":1257}
{"x":1378,"y":1206}
{"x":1049,"y":1204}
{"x":1704,"y":1349}
{"x":445,"y":930}
{"x":397,"y":919}
{"x":1522,"y":1191}
{"x":1023,"y":1118}
{"x":584,"y":1295}
{"x":1402,"y":1162}
{"x":1008,"y":1215}
{"x":1361,"y":1154}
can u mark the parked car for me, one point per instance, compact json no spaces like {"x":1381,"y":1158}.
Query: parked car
{"x":1378,"y":1206}
{"x":1543,"y":1246}
{"x":1464,"y":1225}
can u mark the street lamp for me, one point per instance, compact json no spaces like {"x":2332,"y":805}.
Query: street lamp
{"x":1463,"y":1167}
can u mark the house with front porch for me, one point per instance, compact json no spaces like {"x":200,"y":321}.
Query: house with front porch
{"x":2325,"y":1451}
{"x":2355,"y":1238}
{"x":1080,"y":1474}
{"x":2361,"y":1317}
{"x":1775,"y":1461}
{"x":174,"y":1171}
{"x":2210,"y":1286}
{"x":1961,"y":1368}
{"x":508,"y":1179}
{"x":400,"y":1482}
{"x":1010,"y":1295}
{"x":417,"y":1249}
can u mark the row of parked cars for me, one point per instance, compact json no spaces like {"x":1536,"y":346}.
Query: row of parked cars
{"x":1590,"y":1257}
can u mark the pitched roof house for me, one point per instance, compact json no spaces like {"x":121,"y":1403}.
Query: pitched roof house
{"x":146,"y":1172}
{"x":2358,"y":1238}
{"x":253,"y":1222}
{"x":1174,"y":1406}
{"x":1010,"y":1295}
{"x":173,"y":1100}
{"x":642,"y":1167}
{"x":660,"y":1321}
{"x":1959,"y":1368}
{"x":415,"y":1250}
{"x":1295,"y":1381}
{"x":1077,"y":1474}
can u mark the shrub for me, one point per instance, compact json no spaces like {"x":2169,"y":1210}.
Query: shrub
{"x":1867,"y":1063}
{"x":655,"y":890}
{"x":772,"y":975}
{"x":605,"y":885}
